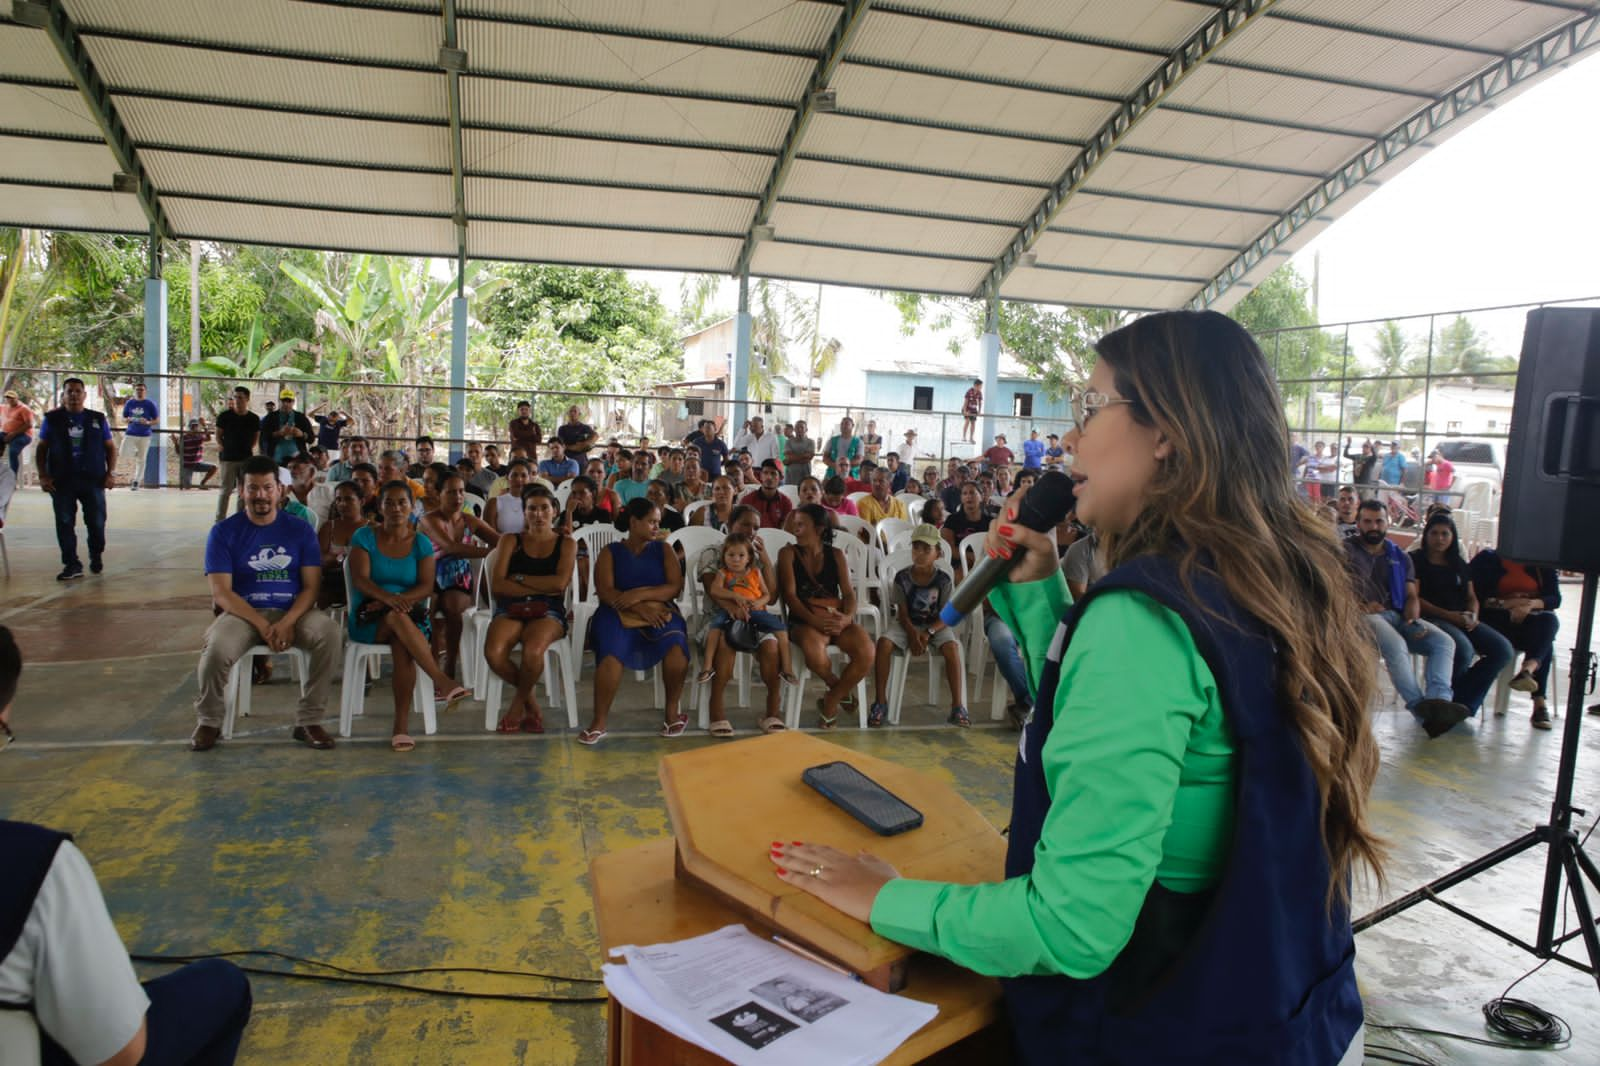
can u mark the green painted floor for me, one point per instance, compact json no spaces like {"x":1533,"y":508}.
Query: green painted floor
{"x":472,"y":851}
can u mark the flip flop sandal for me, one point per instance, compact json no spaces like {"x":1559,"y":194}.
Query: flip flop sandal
{"x":402,"y":742}
{"x":532,"y":723}
{"x":789,"y":679}
{"x":591,"y":737}
{"x":825,"y":720}
{"x":453,"y":700}
{"x":770,"y":725}
{"x":675,"y":727}
{"x":705,"y":675}
{"x":724,"y":728}
{"x":509,"y":724}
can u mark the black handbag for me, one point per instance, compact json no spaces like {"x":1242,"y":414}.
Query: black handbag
{"x":742,"y":635}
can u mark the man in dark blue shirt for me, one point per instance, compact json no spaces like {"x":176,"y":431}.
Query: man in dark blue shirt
{"x":77,"y":464}
{"x":713,"y":449}
{"x":264,"y":567}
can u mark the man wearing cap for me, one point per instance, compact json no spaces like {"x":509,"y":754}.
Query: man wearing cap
{"x":881,"y":503}
{"x":1033,"y":451}
{"x":999,"y":455}
{"x":194,"y":443}
{"x":77,"y":460}
{"x":920,"y":592}
{"x":772,"y":505}
{"x":1055,"y":456}
{"x":285,"y":431}
{"x":140,"y":415}
{"x":16,"y":427}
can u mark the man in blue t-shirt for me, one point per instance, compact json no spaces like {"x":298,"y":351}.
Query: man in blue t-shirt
{"x":1032,"y":452}
{"x":141,"y":416}
{"x":558,"y":467}
{"x":264,"y":568}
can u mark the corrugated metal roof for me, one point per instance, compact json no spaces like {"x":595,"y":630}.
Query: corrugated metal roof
{"x":656,"y":134}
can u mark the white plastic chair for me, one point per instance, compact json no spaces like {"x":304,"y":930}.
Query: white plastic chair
{"x":796,"y":696}
{"x":475,"y":627}
{"x":474,"y":505}
{"x":863,"y":562}
{"x":914,"y":505}
{"x":776,"y":540}
{"x":694,"y":508}
{"x":562,"y":491}
{"x":888,"y":528}
{"x":791,"y":491}
{"x":858,"y":528}
{"x":558,"y":668}
{"x":358,"y":657}
{"x":236,"y":699}
{"x":856,"y":497}
{"x":593,"y":539}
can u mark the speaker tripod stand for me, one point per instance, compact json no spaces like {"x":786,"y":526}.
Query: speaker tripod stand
{"x":1565,"y":862}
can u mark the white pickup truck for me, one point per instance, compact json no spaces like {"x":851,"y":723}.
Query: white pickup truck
{"x":1476,"y":461}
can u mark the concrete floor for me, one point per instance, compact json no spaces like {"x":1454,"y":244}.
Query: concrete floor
{"x":472,"y":851}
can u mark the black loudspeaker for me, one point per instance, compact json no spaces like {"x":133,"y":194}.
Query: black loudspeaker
{"x":1550,"y":503}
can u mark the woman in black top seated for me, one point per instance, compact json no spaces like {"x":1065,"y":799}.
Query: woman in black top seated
{"x":972,"y":517}
{"x":582,"y":506}
{"x":1444,"y":586}
{"x":532,"y":570}
{"x":815,"y":580}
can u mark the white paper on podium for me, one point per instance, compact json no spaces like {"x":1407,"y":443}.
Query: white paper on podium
{"x":753,"y":1002}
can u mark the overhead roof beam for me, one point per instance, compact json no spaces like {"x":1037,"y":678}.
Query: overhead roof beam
{"x":51,"y":16}
{"x":1183,"y":61}
{"x":1366,"y":31}
{"x":1554,"y":49}
{"x":454,"y":61}
{"x":850,"y":20}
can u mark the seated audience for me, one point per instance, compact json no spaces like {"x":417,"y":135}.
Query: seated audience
{"x":1385,"y":584}
{"x":1444,"y":588}
{"x":559,"y":467}
{"x":660,"y":494}
{"x":720,"y":513}
{"x":637,"y":626}
{"x":1519,"y":602}
{"x":772,"y":505}
{"x":265,"y":569}
{"x":392,"y":467}
{"x":1083,"y":564}
{"x":843,"y":470}
{"x":815,"y":580}
{"x":505,"y":511}
{"x":333,"y":538}
{"x":391,"y":575}
{"x":364,"y":476}
{"x":604,"y":499}
{"x":532,"y":572}
{"x":745,"y":523}
{"x":287,"y":501}
{"x":424,"y":452}
{"x":581,"y":509}
{"x":694,"y":486}
{"x":62,"y":962}
{"x":969,"y":518}
{"x":1345,"y":513}
{"x":920,"y":591}
{"x":933,"y":514}
{"x":834,"y":498}
{"x":636,"y":482}
{"x":882,"y":503}
{"x":740,"y":591}
{"x":353,"y":452}
{"x":483,"y":481}
{"x":459,"y":541}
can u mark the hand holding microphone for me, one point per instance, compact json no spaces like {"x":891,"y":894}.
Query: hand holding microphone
{"x":1020,"y":545}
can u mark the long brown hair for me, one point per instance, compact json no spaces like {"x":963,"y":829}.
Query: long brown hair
{"x":1226,"y":491}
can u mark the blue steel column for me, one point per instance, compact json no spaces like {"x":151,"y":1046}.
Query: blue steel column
{"x":989,"y":347}
{"x":155,"y":365}
{"x":739,"y":380}
{"x":458,"y":376}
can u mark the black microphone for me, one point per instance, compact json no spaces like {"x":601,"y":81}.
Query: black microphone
{"x":1044,"y":507}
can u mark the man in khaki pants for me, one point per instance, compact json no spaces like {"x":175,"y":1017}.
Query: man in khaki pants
{"x":264,"y":567}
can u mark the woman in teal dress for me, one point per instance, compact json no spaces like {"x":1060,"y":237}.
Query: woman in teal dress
{"x":638,"y":625}
{"x":391,"y":575}
{"x":1192,"y":787}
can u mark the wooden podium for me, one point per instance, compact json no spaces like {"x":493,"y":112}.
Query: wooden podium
{"x":728,"y":802}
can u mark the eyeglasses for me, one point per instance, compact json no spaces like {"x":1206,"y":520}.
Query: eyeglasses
{"x":1086,"y":403}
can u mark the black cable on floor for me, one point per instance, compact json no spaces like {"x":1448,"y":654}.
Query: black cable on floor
{"x":181,"y":959}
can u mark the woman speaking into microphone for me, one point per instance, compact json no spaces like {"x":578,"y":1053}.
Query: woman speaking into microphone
{"x":1191,"y":790}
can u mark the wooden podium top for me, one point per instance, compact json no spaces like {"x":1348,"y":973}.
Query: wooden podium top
{"x":637,"y":900}
{"x":729,"y":802}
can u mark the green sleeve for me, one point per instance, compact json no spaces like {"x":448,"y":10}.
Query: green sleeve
{"x":1112,"y":764}
{"x":1032,"y":611}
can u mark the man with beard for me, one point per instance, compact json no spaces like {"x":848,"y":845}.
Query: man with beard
{"x":264,"y":567}
{"x":1385,"y":582}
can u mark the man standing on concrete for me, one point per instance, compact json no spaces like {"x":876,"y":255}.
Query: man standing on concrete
{"x":713,"y":449}
{"x":844,"y":445}
{"x":141,"y":416}
{"x":758,"y":442}
{"x":285,"y":432}
{"x":77,"y":461}
{"x":264,"y":568}
{"x":238,"y":429}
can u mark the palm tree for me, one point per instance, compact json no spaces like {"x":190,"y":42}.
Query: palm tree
{"x":1390,"y":350}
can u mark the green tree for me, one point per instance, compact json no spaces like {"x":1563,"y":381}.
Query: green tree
{"x":1460,"y":349}
{"x":1391,"y":362}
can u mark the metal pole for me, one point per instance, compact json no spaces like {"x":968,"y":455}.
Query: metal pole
{"x":1427,"y":391}
{"x":155,"y":364}
{"x":989,"y":347}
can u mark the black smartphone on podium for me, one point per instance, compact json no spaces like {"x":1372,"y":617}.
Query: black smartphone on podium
{"x":862,"y":798}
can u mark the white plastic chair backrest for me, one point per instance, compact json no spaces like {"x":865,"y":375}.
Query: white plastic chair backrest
{"x":474,"y":505}
{"x":791,"y":491}
{"x":481,"y":597}
{"x":594,"y":539}
{"x":858,"y":528}
{"x":775,"y":540}
{"x":862,"y":560}
{"x":914,"y":508}
{"x":694,"y":540}
{"x":562,"y":491}
{"x":971,"y":550}
{"x":1477,"y":497}
{"x":693,"y":509}
{"x":889,"y":527}
{"x":536,"y":480}
{"x":910,"y":498}
{"x":856,"y":497}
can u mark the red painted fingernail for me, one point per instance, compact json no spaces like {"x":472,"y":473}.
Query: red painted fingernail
{"x":799,"y":843}
{"x":777,"y":843}
{"x":778,"y":874}
{"x":1006,"y":531}
{"x":1011,"y":512}
{"x":1005,"y":553}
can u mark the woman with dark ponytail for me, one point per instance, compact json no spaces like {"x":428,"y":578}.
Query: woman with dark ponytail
{"x":815,"y":580}
{"x":1192,"y":785}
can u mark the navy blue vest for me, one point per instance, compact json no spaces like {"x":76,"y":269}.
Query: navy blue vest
{"x":1254,"y":970}
{"x":91,"y":466}
{"x":29,"y":850}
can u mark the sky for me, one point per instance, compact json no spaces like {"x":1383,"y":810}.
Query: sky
{"x":1504,"y":211}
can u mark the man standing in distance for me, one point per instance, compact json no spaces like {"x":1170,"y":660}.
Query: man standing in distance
{"x":798,"y":455}
{"x":971,"y":407}
{"x":329,"y":426}
{"x":238,"y":429}
{"x":999,"y":457}
{"x":77,"y":461}
{"x":758,"y":442}
{"x":576,"y":437}
{"x":523,"y":430}
{"x":713,"y":449}
{"x":871,"y":442}
{"x":284,"y":432}
{"x":141,"y":416}
{"x":1033,"y":451}
{"x":265,"y":568}
{"x":844,"y":445}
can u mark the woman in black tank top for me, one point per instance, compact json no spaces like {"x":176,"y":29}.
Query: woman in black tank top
{"x":532,"y":571}
{"x":815,"y":580}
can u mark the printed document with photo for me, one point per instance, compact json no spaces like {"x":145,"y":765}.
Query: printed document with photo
{"x":751,"y":1001}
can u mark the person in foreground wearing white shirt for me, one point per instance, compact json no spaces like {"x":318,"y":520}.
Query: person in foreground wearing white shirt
{"x":68,"y":993}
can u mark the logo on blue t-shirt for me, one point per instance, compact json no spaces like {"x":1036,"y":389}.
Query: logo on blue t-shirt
{"x":273,"y":558}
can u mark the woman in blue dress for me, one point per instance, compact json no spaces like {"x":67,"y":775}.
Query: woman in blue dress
{"x":638,"y":625}
{"x":391,"y":574}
